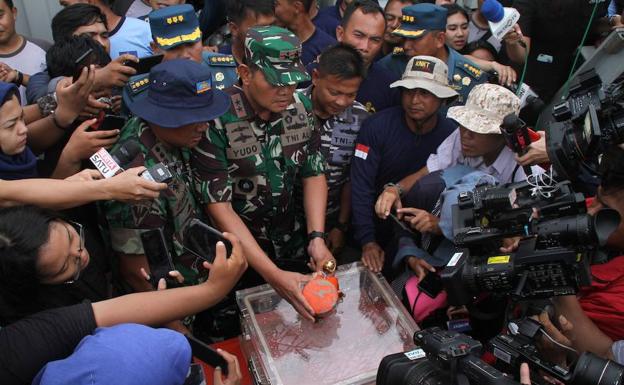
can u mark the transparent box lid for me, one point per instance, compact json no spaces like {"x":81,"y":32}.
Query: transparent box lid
{"x":345,"y":347}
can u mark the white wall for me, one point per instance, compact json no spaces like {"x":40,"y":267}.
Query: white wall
{"x":34,"y":17}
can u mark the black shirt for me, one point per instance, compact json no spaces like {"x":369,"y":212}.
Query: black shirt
{"x":556,"y":28}
{"x":27,"y":345}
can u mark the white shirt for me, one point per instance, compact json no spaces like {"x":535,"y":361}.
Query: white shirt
{"x":29,"y":59}
{"x":449,"y":154}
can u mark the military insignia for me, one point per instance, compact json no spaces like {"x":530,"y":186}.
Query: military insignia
{"x":398,"y":51}
{"x":238,"y":105}
{"x":295,"y":118}
{"x":139,"y":85}
{"x":219,"y":76}
{"x":457,"y":77}
{"x":222,"y":61}
{"x":289,"y":55}
{"x":473,"y":70}
{"x":203,"y":86}
{"x":466,"y":81}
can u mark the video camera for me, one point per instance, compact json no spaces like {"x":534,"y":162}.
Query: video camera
{"x":444,"y":358}
{"x":518,"y":346}
{"x":449,"y":358}
{"x":589,"y":121}
{"x":560,"y":241}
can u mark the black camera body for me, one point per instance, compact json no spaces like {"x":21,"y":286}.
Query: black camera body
{"x":511,"y":350}
{"x":560,"y":241}
{"x":528,"y":273}
{"x":589,"y":121}
{"x":444,"y":357}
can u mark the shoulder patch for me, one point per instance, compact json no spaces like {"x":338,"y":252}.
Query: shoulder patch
{"x":474,"y":71}
{"x":138,"y":84}
{"x":398,"y":51}
{"x":222,"y":61}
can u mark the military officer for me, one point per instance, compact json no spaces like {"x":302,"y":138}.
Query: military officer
{"x":176,"y":35}
{"x":252,"y":158}
{"x":423,"y":26}
{"x":167,"y":123}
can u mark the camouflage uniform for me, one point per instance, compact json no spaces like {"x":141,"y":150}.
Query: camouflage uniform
{"x":338,"y":135}
{"x":172,"y":211}
{"x":254,"y":164}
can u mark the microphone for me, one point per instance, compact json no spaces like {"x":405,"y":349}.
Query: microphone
{"x":501,"y":20}
{"x":110,"y":165}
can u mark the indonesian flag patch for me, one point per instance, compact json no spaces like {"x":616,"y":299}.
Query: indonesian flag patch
{"x":361,"y":151}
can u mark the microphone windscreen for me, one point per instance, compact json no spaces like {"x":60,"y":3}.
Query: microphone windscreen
{"x":492,"y":10}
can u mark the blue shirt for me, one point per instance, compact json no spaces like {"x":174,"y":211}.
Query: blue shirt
{"x":131,"y":36}
{"x":375,"y":92}
{"x":327,"y":19}
{"x":226,"y":49}
{"x":387,"y":151}
{"x":311,"y":48}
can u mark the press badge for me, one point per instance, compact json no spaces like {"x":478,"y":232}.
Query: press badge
{"x":543,"y":58}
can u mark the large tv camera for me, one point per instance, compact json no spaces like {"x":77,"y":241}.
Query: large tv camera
{"x":586,"y":123}
{"x":560,"y":241}
{"x":444,"y":358}
{"x":519,"y":346}
{"x":449,"y":358}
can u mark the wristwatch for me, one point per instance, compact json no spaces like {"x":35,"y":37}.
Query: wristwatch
{"x":47,"y":104}
{"x":316,"y":234}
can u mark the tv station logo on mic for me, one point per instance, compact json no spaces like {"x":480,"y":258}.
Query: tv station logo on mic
{"x":105,"y":163}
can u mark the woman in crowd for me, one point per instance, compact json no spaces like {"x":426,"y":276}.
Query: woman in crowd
{"x":456,"y":27}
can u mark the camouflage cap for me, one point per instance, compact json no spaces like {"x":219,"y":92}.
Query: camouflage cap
{"x":277,"y":52}
{"x":485,"y":109}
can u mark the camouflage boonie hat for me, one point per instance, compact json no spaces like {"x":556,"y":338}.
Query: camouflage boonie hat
{"x":277,"y":52}
{"x":485,"y":109}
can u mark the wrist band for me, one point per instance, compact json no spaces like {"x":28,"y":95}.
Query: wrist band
{"x":396,"y":185}
{"x":20,"y":78}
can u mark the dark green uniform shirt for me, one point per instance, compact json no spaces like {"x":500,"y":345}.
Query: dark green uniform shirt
{"x":172,"y":211}
{"x":254,"y":164}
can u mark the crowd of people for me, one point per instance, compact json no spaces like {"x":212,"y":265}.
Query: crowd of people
{"x":308,"y":136}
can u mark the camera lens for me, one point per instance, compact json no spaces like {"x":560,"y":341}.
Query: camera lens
{"x":424,"y":372}
{"x":593,"y":370}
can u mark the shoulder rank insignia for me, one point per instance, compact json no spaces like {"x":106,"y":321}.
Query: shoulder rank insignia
{"x":222,"y":61}
{"x":139,"y":84}
{"x":398,"y":51}
{"x":474,"y":71}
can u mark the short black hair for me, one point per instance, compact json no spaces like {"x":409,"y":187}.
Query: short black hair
{"x":452,"y":9}
{"x":479,"y":44}
{"x":61,"y":57}
{"x":237,"y":10}
{"x":342,"y":61}
{"x":69,"y":19}
{"x":365,"y":6}
{"x":9,"y":3}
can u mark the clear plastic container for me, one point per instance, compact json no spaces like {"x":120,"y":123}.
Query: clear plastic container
{"x":345,"y":347}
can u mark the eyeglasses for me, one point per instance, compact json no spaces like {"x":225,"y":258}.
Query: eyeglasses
{"x":77,"y":259}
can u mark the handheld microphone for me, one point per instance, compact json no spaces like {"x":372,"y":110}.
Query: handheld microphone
{"x":110,"y":165}
{"x":501,"y":20}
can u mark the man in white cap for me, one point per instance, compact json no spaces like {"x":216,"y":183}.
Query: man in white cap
{"x":395,"y":143}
